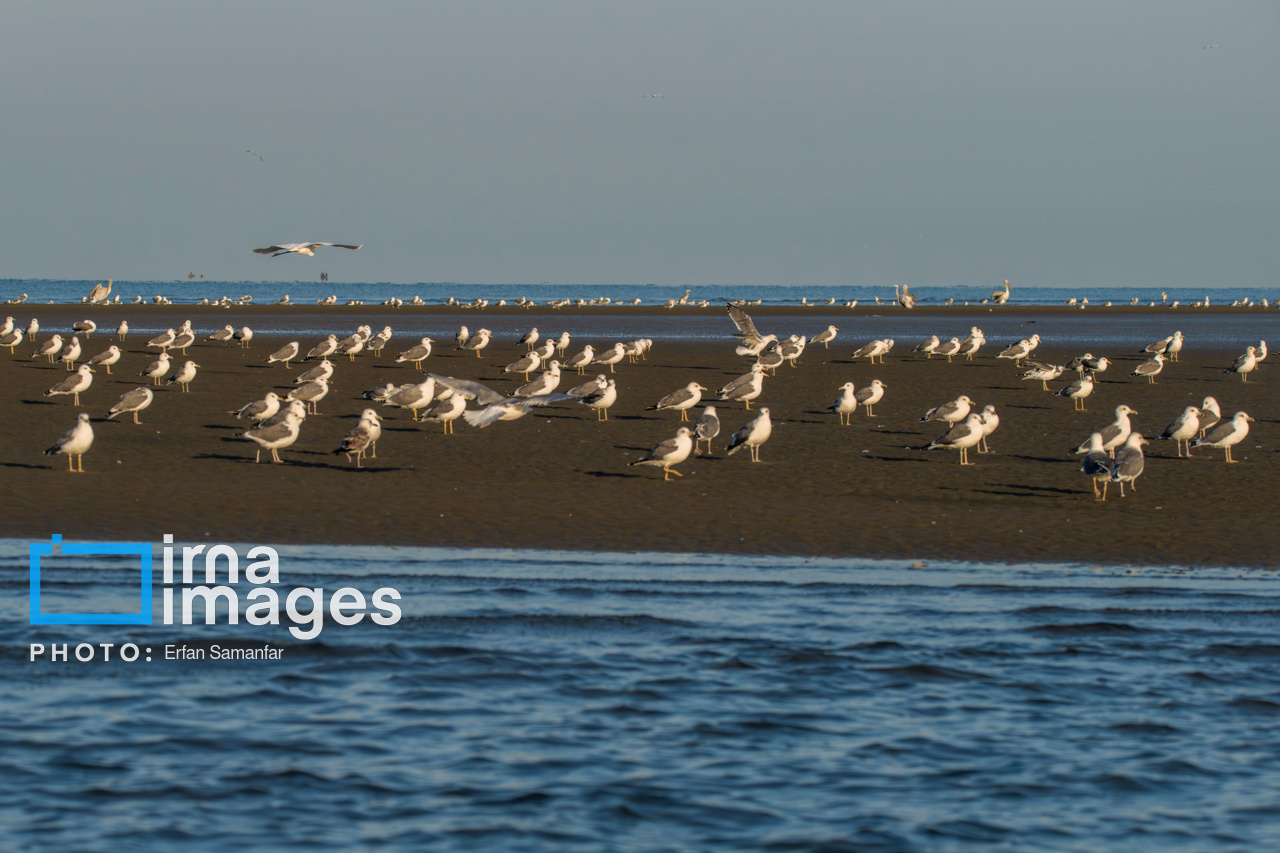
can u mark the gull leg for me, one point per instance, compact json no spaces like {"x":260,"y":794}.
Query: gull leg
{"x":257,"y":456}
{"x":684,"y":415}
{"x":748,"y":402}
{"x":69,"y":468}
{"x":79,"y":463}
{"x":135,"y":417}
{"x":677,"y":473}
{"x":665,"y":472}
{"x":1122,"y":488}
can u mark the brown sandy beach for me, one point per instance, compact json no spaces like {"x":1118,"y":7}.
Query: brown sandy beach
{"x":559,"y":479}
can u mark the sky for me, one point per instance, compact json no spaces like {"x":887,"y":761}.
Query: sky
{"x":833,"y":143}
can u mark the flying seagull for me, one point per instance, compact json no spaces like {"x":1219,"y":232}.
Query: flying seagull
{"x":255,"y":154}
{"x":299,"y":248}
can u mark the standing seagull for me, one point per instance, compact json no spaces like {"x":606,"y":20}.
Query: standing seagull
{"x":1078,"y":391}
{"x":530,"y":338}
{"x":74,"y":442}
{"x":286,"y":353}
{"x":949,"y":349}
{"x":1244,"y":364}
{"x":544,"y":384}
{"x":85,"y":327}
{"x":74,"y":384}
{"x":706,"y":428}
{"x":1227,"y":435}
{"x":669,"y":453}
{"x":122,"y":330}
{"x":579,"y":361}
{"x":183,"y":376}
{"x":132,"y":402}
{"x":1097,"y":466}
{"x":363,"y":436}
{"x":1150,"y":369}
{"x":930,"y":345}
{"x":272,"y":438}
{"x":1184,"y":428}
{"x":164,"y":340}
{"x":416,"y":354}
{"x":846,"y":404}
{"x":259,"y":410}
{"x":244,"y":336}
{"x":755,"y":433}
{"x":953,"y":412}
{"x":826,"y":336}
{"x":611,"y":356}
{"x":49,"y":349}
{"x":871,"y":395}
{"x":300,"y":249}
{"x":156,"y":369}
{"x":106,"y":358}
{"x":1210,"y":414}
{"x":601,"y":400}
{"x":446,"y":411}
{"x":990,"y":422}
{"x":223,"y":335}
{"x":1129,"y":462}
{"x":70,"y":353}
{"x":746,"y":390}
{"x":478,"y":341}
{"x":960,"y":437}
{"x":324,"y":349}
{"x":1115,"y":433}
{"x":311,"y":394}
{"x":681,"y":400}
{"x":464,"y":335}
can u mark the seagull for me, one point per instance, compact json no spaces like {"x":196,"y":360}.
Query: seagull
{"x":562,"y":343}
{"x":1020,"y":350}
{"x":970,"y":345}
{"x":1077,"y":391}
{"x":157,"y":368}
{"x":746,"y":388}
{"x":465,"y":388}
{"x":1159,"y":346}
{"x":286,"y":353}
{"x":681,"y":400}
{"x":11,"y":340}
{"x":106,"y":358}
{"x":589,"y":387}
{"x":1000,"y":297}
{"x":223,"y":335}
{"x":74,"y":384}
{"x":323,"y":370}
{"x":1151,"y":368}
{"x":74,"y":442}
{"x":478,"y":341}
{"x":929,"y":346}
{"x":350,"y":346}
{"x":132,"y":402}
{"x":746,"y":326}
{"x":413,"y":397}
{"x":949,"y":349}
{"x":544,"y":384}
{"x":1129,"y":462}
{"x":300,"y":249}
{"x":272,"y":438}
{"x":1183,"y":428}
{"x":601,"y":400}
{"x":1175,"y":346}
{"x":1227,"y":435}
{"x":163,"y":341}
{"x":85,"y":327}
{"x":464,"y":335}
{"x":33,"y":327}
{"x":612,"y":356}
{"x":871,"y":395}
{"x":525,"y":365}
{"x":70,"y":353}
{"x":846,"y":404}
{"x":669,"y":453}
{"x":1245,"y":364}
{"x":446,"y":411}
{"x":255,"y":154}
{"x":579,"y":361}
{"x":183,"y":376}
{"x":1210,"y":414}
{"x":1114,"y":433}
{"x":259,"y":410}
{"x":706,"y":428}
{"x":1097,"y":466}
{"x":510,"y":409}
{"x":416,"y":354}
{"x":752,"y":350}
{"x":953,"y":412}
{"x":871,"y":350}
{"x":311,"y":394}
{"x":990,"y":422}
{"x":50,"y":348}
{"x":826,"y":336}
{"x":244,"y":336}
{"x":960,"y":437}
{"x":755,"y":433}
{"x":1044,"y":373}
{"x":530,"y":337}
{"x":324,"y":349}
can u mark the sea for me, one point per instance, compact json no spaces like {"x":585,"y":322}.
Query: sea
{"x":583,"y":701}
{"x":1094,"y":326}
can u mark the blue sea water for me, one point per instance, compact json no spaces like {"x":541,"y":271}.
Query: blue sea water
{"x":557,"y":701}
{"x":435,"y":293}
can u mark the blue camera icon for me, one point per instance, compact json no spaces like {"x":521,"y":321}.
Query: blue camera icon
{"x":141,"y":549}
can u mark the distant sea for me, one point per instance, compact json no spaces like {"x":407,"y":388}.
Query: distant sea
{"x":553,"y":701}
{"x":302,"y":292}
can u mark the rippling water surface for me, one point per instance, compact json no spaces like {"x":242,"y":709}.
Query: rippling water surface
{"x":567,"y":701}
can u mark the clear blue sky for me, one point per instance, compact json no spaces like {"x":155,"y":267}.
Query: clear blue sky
{"x":807,"y":143}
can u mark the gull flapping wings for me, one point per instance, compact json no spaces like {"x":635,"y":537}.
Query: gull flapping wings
{"x":300,"y":248}
{"x":746,"y":327}
{"x":482,"y":394}
{"x":511,"y":408}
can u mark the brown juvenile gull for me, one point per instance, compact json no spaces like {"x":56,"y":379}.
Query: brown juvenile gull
{"x":669,"y":453}
{"x":132,"y":402}
{"x":74,"y":442}
{"x":362,"y":437}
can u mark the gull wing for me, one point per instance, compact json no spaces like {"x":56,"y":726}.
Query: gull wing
{"x":482,"y":394}
{"x":335,"y":245}
{"x":746,"y":327}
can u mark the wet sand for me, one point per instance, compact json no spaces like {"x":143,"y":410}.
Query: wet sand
{"x":559,"y":479}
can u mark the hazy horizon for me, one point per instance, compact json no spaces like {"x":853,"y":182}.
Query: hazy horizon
{"x":814,"y":144}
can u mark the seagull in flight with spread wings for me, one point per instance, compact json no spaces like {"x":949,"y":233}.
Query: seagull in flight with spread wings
{"x":299,"y":248}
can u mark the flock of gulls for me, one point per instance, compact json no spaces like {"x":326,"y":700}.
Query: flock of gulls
{"x":1112,"y":454}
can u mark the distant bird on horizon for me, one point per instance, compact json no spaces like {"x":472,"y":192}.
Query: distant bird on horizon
{"x":255,"y":154}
